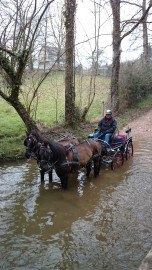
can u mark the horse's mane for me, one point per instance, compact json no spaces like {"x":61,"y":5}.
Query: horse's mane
{"x":38,"y":136}
{"x":59,"y":152}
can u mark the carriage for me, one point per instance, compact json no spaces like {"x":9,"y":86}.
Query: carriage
{"x":120,"y":148}
{"x":56,"y":155}
{"x":63,"y":158}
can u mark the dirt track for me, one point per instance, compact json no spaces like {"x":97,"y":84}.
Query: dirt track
{"x":141,"y":125}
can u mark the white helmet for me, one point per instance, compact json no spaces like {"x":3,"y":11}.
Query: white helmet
{"x":108,"y":112}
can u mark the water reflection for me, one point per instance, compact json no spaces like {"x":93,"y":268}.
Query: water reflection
{"x":96,"y":224}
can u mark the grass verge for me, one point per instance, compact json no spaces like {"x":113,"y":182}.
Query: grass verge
{"x":12,"y":131}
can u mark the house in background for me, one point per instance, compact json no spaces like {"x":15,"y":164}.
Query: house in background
{"x":50,"y":56}
{"x":104,"y":70}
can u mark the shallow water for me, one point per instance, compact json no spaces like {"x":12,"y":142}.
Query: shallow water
{"x":102,"y":223}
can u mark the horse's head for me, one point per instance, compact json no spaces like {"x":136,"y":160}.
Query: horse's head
{"x":31,"y":144}
{"x":45,"y":156}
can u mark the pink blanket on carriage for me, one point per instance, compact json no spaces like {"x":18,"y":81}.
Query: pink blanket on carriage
{"x":123,"y":137}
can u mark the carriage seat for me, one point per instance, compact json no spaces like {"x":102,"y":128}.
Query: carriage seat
{"x":119,"y":141}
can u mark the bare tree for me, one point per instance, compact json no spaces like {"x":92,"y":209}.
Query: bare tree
{"x":95,"y":57}
{"x":117,"y":39}
{"x":58,"y":32}
{"x":141,"y":7}
{"x":52,"y":37}
{"x":20,"y":23}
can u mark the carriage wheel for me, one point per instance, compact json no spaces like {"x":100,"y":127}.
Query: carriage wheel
{"x":117,"y":161}
{"x":129,"y":150}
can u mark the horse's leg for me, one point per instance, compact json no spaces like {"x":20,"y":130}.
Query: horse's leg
{"x":88,"y":168}
{"x":64,"y":178}
{"x":50,"y":176}
{"x":97,"y":165}
{"x":64,"y":181}
{"x":42,"y":176}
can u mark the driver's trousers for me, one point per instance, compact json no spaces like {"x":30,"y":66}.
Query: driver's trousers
{"x":106,"y":136}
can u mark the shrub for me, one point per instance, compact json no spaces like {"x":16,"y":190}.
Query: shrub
{"x":135,"y":84}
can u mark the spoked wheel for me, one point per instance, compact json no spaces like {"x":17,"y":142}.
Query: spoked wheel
{"x":117,"y":161}
{"x":129,"y":150}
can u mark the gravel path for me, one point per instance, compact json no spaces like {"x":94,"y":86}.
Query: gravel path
{"x":141,"y":125}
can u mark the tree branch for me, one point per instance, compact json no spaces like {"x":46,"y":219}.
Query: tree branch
{"x":136,"y":25}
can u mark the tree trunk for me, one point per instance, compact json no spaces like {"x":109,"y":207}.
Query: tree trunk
{"x":69,"y":67}
{"x":145,"y":35}
{"x":21,"y":110}
{"x":117,"y":38}
{"x":115,"y":5}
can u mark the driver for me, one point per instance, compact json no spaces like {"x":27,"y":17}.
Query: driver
{"x":106,"y":127}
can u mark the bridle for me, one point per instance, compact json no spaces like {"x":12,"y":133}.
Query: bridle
{"x":51,"y":165}
{"x":49,"y":160}
{"x":31,"y":144}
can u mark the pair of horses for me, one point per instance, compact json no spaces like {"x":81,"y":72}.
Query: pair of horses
{"x":64,"y":155}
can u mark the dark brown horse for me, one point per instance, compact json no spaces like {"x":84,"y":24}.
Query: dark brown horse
{"x":52,"y":155}
{"x":32,"y":142}
{"x":34,"y":139}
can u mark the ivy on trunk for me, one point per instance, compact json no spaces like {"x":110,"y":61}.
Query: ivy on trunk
{"x":70,"y":8}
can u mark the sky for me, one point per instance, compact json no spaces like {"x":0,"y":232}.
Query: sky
{"x":85,"y":31}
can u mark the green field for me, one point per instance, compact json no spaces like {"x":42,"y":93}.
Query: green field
{"x":50,"y":109}
{"x":51,"y":95}
{"x":50,"y":102}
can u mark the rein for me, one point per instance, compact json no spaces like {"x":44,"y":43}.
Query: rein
{"x":89,"y":144}
{"x":95,"y":155}
{"x":64,"y":164}
{"x":34,"y":156}
{"x":51,"y":166}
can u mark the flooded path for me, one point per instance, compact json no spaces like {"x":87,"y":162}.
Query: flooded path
{"x":102,"y":223}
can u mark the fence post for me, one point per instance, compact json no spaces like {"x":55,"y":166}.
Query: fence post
{"x":103,"y":105}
